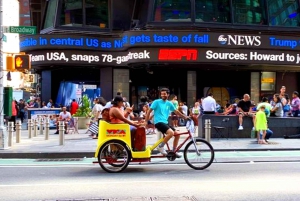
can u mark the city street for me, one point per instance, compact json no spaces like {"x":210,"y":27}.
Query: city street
{"x":30,"y":179}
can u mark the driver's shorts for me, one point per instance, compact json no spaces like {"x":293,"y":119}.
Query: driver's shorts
{"x":162,"y":127}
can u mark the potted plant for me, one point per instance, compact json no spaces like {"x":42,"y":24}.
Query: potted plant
{"x":83,"y":113}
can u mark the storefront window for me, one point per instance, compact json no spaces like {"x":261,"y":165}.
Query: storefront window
{"x":212,"y":11}
{"x":268,"y":81}
{"x":50,"y":14}
{"x":249,"y":11}
{"x":283,"y":13}
{"x":96,"y":13}
{"x":172,"y":11}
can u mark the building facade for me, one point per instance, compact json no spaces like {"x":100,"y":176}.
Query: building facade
{"x":228,"y":47}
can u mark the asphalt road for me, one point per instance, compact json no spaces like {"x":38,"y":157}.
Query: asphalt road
{"x":80,"y":180}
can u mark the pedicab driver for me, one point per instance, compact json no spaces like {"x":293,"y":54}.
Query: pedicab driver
{"x":162,"y":108}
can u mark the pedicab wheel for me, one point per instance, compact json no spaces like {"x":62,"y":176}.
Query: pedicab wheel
{"x":203,"y":158}
{"x":114,"y":156}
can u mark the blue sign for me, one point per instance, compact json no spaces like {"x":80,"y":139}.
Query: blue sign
{"x":34,"y":113}
{"x":127,"y":40}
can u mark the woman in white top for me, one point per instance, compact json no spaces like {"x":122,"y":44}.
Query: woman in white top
{"x":277,"y":110}
{"x":196,"y":112}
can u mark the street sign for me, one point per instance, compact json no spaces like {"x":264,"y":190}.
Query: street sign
{"x":22,"y":29}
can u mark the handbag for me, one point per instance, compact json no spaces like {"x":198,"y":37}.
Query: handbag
{"x":94,"y":128}
{"x":287,"y":108}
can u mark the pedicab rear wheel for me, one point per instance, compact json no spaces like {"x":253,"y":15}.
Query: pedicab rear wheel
{"x":114,"y":156}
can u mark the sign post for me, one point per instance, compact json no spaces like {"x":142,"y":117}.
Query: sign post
{"x":3,"y":132}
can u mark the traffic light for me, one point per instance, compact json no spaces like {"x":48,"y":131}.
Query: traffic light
{"x":10,"y":66}
{"x":22,"y":62}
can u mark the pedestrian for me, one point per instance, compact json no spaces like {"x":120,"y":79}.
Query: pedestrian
{"x":73,"y":107}
{"x":261,"y":125}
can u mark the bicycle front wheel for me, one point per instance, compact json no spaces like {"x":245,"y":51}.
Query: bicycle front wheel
{"x":203,"y":158}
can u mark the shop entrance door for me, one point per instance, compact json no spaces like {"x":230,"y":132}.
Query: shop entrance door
{"x":220,"y":94}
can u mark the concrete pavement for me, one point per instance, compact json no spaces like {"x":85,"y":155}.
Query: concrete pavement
{"x":82,"y":145}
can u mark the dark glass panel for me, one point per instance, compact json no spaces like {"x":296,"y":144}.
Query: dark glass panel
{"x":283,"y":13}
{"x":212,"y":11}
{"x":172,"y":11}
{"x":249,"y":11}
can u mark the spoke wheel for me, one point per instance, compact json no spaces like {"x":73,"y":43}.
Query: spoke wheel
{"x":201,"y":160}
{"x":114,"y":156}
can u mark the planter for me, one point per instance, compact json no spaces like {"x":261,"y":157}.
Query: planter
{"x":83,"y":122}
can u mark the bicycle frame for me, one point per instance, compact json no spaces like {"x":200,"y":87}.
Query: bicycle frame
{"x":190,"y":136}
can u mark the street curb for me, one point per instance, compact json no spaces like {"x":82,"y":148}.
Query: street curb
{"x":37,"y":155}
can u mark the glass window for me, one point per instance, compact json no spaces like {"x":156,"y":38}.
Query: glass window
{"x":268,"y":81}
{"x":283,"y":13}
{"x":172,"y":11}
{"x":249,"y":11}
{"x":97,"y":13}
{"x":212,"y":11}
{"x":71,"y":13}
{"x":50,"y":13}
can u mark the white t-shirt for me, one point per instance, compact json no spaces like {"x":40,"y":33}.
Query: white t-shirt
{"x":64,"y":116}
{"x":98,"y":108}
{"x":209,"y":104}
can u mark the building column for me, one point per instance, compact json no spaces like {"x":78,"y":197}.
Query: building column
{"x":121,"y":82}
{"x":46,"y":86}
{"x":255,"y":87}
{"x":106,"y":83}
{"x":191,"y":88}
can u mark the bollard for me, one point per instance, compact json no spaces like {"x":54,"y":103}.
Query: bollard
{"x":35,"y":128}
{"x":10,"y":133}
{"x":41,"y":125}
{"x":29,"y":125}
{"x":18,"y":131}
{"x":61,"y":130}
{"x":209,"y":130}
{"x":47,"y":127}
{"x":207,"y":126}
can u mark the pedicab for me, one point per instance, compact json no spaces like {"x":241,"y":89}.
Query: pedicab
{"x":115,"y":148}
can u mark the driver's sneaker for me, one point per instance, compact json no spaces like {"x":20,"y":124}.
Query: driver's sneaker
{"x":162,"y":150}
{"x":178,"y":155}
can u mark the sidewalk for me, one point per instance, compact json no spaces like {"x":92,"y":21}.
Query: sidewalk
{"x":82,"y":145}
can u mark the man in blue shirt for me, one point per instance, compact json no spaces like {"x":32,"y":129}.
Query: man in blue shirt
{"x":162,"y":108}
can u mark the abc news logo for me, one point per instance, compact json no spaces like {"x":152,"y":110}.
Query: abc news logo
{"x":239,"y":40}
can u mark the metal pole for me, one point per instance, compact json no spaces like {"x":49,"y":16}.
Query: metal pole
{"x":47,"y":127}
{"x":41,"y":125}
{"x":3,"y":132}
{"x":35,"y":128}
{"x":10,"y":133}
{"x":207,"y":127}
{"x":18,"y":131}
{"x":29,"y":125}
{"x":61,"y":130}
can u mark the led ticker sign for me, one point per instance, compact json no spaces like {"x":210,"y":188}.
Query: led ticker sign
{"x":177,"y":54}
{"x":164,"y":55}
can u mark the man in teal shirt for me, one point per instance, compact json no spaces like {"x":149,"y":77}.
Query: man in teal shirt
{"x":162,"y":108}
